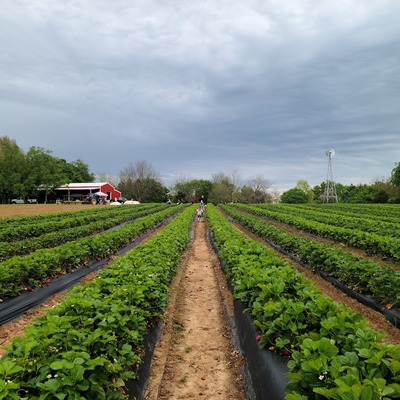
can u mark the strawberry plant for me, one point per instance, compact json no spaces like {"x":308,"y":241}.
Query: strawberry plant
{"x":57,"y":236}
{"x":18,"y":272}
{"x":92,"y":342}
{"x":384,"y":245}
{"x":351,"y":270}
{"x":328,"y":344}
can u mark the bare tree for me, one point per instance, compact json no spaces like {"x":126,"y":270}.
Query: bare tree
{"x":134,"y":177}
{"x":221,"y":177}
{"x":261,"y":188}
{"x":104,"y":177}
{"x":225,"y":188}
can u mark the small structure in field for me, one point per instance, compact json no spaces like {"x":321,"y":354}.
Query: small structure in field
{"x":78,"y":192}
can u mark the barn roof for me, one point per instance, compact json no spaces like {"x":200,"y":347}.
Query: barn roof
{"x":90,"y":185}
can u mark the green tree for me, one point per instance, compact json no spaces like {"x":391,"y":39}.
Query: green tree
{"x":193,"y":189}
{"x":154,"y":191}
{"x":221,"y":193}
{"x":43,"y":171}
{"x":75,"y":171}
{"x":318,"y":192}
{"x":306,"y":188}
{"x":294,"y":196}
{"x":246,"y":194}
{"x":225,"y":188}
{"x":12,"y":170}
{"x":395,"y":177}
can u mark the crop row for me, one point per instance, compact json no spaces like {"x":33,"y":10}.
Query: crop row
{"x":33,"y":229}
{"x":379,"y":227}
{"x":25,"y":273}
{"x":333,"y":353}
{"x":383,"y":212}
{"x":378,"y":282}
{"x":56,"y":237}
{"x":88,"y":346}
{"x":371,"y":243}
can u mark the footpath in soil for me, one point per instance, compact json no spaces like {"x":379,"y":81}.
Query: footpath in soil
{"x":196,"y":356}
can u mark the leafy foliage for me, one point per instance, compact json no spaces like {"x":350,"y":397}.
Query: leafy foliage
{"x":92,"y":342}
{"x":333,"y":353}
{"x":294,"y":196}
{"x":21,"y":174}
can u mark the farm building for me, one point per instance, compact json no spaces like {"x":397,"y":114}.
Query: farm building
{"x":79,"y":191}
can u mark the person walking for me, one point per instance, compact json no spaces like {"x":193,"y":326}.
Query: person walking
{"x":199,"y":213}
{"x":202,"y":205}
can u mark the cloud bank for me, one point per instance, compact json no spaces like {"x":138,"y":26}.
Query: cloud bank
{"x":195,"y":88}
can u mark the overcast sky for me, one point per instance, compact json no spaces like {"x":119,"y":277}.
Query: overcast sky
{"x":257,"y":87}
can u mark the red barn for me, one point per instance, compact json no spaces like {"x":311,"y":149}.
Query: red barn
{"x":78,"y":191}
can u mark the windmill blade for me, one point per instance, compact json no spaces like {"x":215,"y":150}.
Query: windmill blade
{"x":330,"y":152}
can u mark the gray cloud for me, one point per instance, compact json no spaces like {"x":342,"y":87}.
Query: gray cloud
{"x":201,"y":87}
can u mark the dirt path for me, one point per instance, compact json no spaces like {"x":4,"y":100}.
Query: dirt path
{"x":195,"y":357}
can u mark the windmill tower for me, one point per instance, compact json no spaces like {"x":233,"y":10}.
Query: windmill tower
{"x":330,"y":195}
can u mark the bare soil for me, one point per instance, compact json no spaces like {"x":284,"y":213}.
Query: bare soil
{"x":20,"y":210}
{"x":196,"y":357}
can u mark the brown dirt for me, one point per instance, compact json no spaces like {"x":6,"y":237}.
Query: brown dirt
{"x":19,"y":210}
{"x":195,"y":357}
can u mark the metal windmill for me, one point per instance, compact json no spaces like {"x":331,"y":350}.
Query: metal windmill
{"x":330,"y":195}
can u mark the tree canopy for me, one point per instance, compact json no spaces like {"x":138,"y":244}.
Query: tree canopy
{"x":395,"y":177}
{"x":22,"y":174}
{"x":141,"y":182}
{"x":294,"y":196}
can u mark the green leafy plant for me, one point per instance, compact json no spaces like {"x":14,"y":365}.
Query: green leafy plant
{"x":328,"y":344}
{"x":92,"y":342}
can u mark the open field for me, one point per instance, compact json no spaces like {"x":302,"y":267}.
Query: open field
{"x":19,"y":210}
{"x":188,"y":357}
{"x":200,"y":355}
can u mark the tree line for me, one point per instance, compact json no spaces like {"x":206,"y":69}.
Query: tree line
{"x":22,"y":174}
{"x":380,"y":191}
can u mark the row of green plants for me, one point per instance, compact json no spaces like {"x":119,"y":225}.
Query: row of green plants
{"x":30,"y":229}
{"x":332,"y":351}
{"x":364,"y":223}
{"x":362,"y":275}
{"x":383,"y":212}
{"x":58,"y":237}
{"x":91,"y":343}
{"x":40,"y":267}
{"x":371,"y":243}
